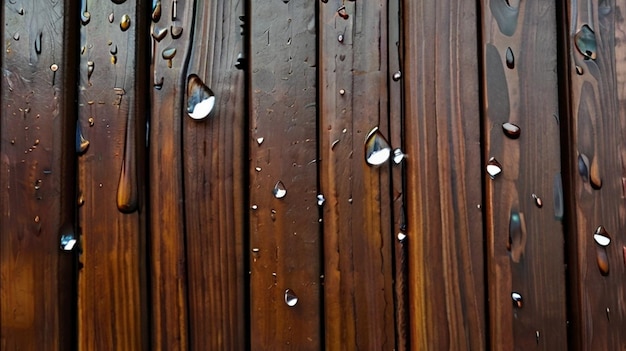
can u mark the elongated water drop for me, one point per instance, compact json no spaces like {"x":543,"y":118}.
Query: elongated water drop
{"x":602,"y":259}
{"x":585,"y":41}
{"x":279,"y":190}
{"x":156,"y":10}
{"x":493,"y":167}
{"x":200,"y":99}
{"x":538,"y":200}
{"x":510,"y":59}
{"x":82,"y":144}
{"x":168,"y":54}
{"x":377,"y":149}
{"x":517,"y":299}
{"x":38,"y":43}
{"x":90,"y":68}
{"x":125,"y":22}
{"x":291,"y":299}
{"x":511,"y":130}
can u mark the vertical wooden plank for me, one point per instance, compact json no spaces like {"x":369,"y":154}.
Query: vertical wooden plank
{"x":214,"y":156}
{"x":358,"y":294}
{"x":596,"y":160}
{"x":443,"y":185}
{"x":171,"y":43}
{"x":110,"y":138}
{"x":36,"y":201}
{"x":284,"y":230}
{"x":524,"y":202}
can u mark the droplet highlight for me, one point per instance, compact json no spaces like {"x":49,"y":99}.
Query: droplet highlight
{"x":68,"y":242}
{"x":200,"y":99}
{"x":396,"y":76}
{"x":279,"y":190}
{"x":377,"y":149}
{"x":493,"y":167}
{"x":398,"y":156}
{"x":585,"y":41}
{"x":291,"y":299}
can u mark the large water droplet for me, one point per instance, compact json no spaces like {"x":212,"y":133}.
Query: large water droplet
{"x":200,"y":99}
{"x":517,"y":299}
{"x":125,"y":22}
{"x":176,"y":31}
{"x":377,"y":149}
{"x":602,"y":259}
{"x":291,"y":299}
{"x":601,"y":236}
{"x":585,"y":41}
{"x":511,"y":130}
{"x":493,"y":167}
{"x":156,"y":10}
{"x":510,"y":59}
{"x":82,"y":144}
{"x":279,"y":190}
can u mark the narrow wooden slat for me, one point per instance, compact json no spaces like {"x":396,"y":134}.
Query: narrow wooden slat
{"x":36,"y":166}
{"x":524,"y":203}
{"x":112,"y":301}
{"x":214,"y":160}
{"x":358,"y":293}
{"x":596,"y":134}
{"x":443,"y":185}
{"x":170,"y":50}
{"x":284,"y":230}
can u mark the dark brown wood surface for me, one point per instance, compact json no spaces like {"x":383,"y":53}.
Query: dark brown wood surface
{"x":596,"y":131}
{"x":112,"y":300}
{"x":214,"y":161}
{"x":37,"y":284}
{"x":525,"y":243}
{"x":443,"y":176}
{"x":358,"y":298}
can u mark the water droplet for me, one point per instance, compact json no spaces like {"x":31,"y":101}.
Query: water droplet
{"x":68,"y":241}
{"x":377,"y":149}
{"x":517,"y":236}
{"x":557,"y":197}
{"x":583,"y":167}
{"x":341,"y":11}
{"x":159,"y":34}
{"x":594,"y":174}
{"x":510,"y":59}
{"x":127,"y":200}
{"x":585,"y":41}
{"x":342,"y":91}
{"x":254,"y":207}
{"x":174,"y":10}
{"x":579,"y":70}
{"x":113,"y":50}
{"x":158,"y":84}
{"x":38,"y":43}
{"x":517,"y":299}
{"x":20,"y":11}
{"x":291,"y":299}
{"x":493,"y":167}
{"x":320,"y":200}
{"x":273,"y":215}
{"x":260,"y":140}
{"x":398,"y":156}
{"x":332,"y":146}
{"x":401,"y":237}
{"x":82,"y":144}
{"x":81,"y":199}
{"x":511,"y":130}
{"x":38,"y":184}
{"x":156,"y":10}
{"x":125,"y":22}
{"x":258,"y":169}
{"x":113,"y":59}
{"x":537,"y":336}
{"x":538,"y":201}
{"x":54,"y":67}
{"x":90,"y":68}
{"x":37,"y":219}
{"x":85,"y":17}
{"x":241,"y":61}
{"x":176,"y":31}
{"x":340,"y":38}
{"x":200,"y":99}
{"x":624,"y":254}
{"x":111,"y":17}
{"x":601,"y":236}
{"x":168,"y":54}
{"x":118,"y":1}
{"x":397,"y":76}
{"x":608,"y":314}
{"x":16,"y":36}
{"x":602,"y":259}
{"x":279,"y":190}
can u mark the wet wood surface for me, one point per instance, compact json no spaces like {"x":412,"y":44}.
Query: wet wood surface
{"x":596,"y":128}
{"x":110,"y":137}
{"x":524,"y":203}
{"x":37,"y":284}
{"x":443,"y":176}
{"x":353,"y":97}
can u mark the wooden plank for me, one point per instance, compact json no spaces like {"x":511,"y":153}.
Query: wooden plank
{"x":443,"y":185}
{"x":214,"y":161}
{"x":525,"y":200}
{"x":284,"y":230}
{"x":596,"y":160}
{"x":358,"y":299}
{"x":36,"y":202}
{"x":170,"y":50}
{"x":110,"y":138}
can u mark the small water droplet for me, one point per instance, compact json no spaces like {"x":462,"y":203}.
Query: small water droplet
{"x":341,"y":11}
{"x":511,"y":130}
{"x":510,"y":59}
{"x":254,"y":207}
{"x":602,"y":259}
{"x":16,"y":36}
{"x":538,"y":201}
{"x":113,"y":50}
{"x":241,"y":61}
{"x":258,"y":169}
{"x":537,"y":336}
{"x":176,"y":31}
{"x":517,"y":299}
{"x":54,"y":67}
{"x":174,"y":10}
{"x":332,"y":146}
{"x":156,"y":10}
{"x":125,"y":22}
{"x":38,"y":184}
{"x":608,"y":314}
{"x":398,"y":156}
{"x":291,"y":299}
{"x":158,"y":85}
{"x":579,"y":70}
{"x":273,"y":215}
{"x":401,"y":237}
{"x":111,"y":17}
{"x":493,"y":167}
{"x":601,"y":236}
{"x":20,"y":11}
{"x":585,"y":41}
{"x":118,"y":1}
{"x":279,"y":190}
{"x":260,"y":140}
{"x":255,"y":250}
{"x":168,"y":54}
{"x":159,"y":34}
{"x":397,"y":76}
{"x":90,"y":68}
{"x":38,"y":43}
{"x":340,"y":38}
{"x":200,"y":99}
{"x":85,"y":17}
{"x":377,"y":149}
{"x":320,"y":200}
{"x":37,"y":219}
{"x":81,"y":199}
{"x":68,"y":241}
{"x":82,"y":144}
{"x":342,"y":91}
{"x":113,"y":59}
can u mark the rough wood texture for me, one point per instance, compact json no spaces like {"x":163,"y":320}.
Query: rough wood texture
{"x":596,"y":134}
{"x":358,"y":294}
{"x":37,"y":285}
{"x":524,"y":203}
{"x":214,"y":162}
{"x":284,"y":231}
{"x":112,"y":300}
{"x":443,"y":196}
{"x":168,"y":271}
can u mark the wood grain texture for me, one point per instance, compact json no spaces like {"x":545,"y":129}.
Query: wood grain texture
{"x":443,"y":185}
{"x":214,"y":161}
{"x":596,"y":130}
{"x":358,"y":289}
{"x":168,"y":268}
{"x":284,"y":232}
{"x":524,"y":203}
{"x":111,"y":298}
{"x":37,"y":285}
